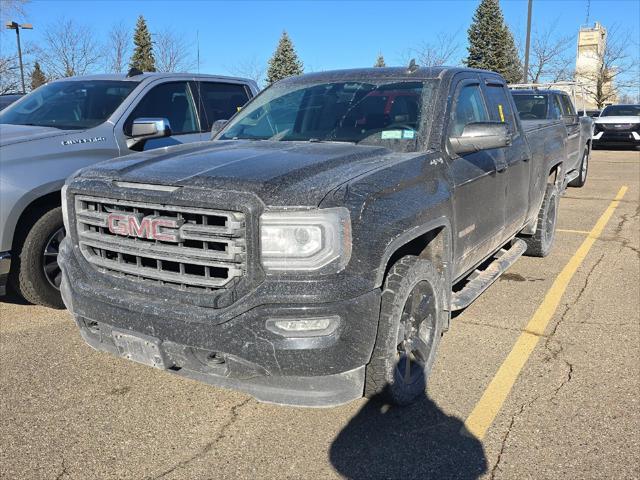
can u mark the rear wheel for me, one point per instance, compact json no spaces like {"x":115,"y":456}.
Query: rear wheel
{"x":409,"y":331}
{"x":539,"y":244}
{"x":36,"y":274}
{"x":581,"y":179}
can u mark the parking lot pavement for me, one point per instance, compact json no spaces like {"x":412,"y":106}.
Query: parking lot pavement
{"x":573,"y":411}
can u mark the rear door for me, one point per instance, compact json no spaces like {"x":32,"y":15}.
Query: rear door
{"x":479,"y":191}
{"x":572,"y":122}
{"x":218,"y":101}
{"x":516,"y":157}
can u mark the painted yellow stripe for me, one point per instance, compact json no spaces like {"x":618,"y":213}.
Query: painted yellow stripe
{"x":566,"y":230}
{"x":496,"y":393}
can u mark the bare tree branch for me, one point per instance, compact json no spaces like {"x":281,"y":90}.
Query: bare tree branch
{"x":12,"y":8}
{"x":439,"y":52}
{"x":172,"y":52}
{"x":118,"y":48}
{"x":69,"y":49}
{"x":253,"y":69}
{"x":551,"y":57}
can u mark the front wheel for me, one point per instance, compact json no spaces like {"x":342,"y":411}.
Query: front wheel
{"x":539,"y":244}
{"x":36,"y":275}
{"x":409,"y":331}
{"x":581,"y":179}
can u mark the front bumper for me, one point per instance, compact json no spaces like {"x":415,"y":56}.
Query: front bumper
{"x":240,"y":353}
{"x":616,"y":138}
{"x":5,"y":266}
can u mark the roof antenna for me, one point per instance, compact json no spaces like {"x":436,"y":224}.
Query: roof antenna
{"x":412,"y":66}
{"x":133,"y":72}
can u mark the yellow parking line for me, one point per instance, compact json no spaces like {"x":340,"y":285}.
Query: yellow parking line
{"x":496,"y":393}
{"x":566,"y":230}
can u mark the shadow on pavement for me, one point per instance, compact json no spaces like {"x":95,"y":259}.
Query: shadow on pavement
{"x":13,"y":298}
{"x":417,"y":441}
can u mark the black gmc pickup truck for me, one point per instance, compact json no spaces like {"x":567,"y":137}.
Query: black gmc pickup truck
{"x":314,"y":251}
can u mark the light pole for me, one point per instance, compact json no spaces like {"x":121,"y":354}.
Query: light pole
{"x":527,"y":44}
{"x":16,"y":26}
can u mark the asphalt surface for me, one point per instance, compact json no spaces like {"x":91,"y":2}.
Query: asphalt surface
{"x":68,"y":412}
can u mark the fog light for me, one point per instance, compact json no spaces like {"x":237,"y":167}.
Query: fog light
{"x":305,"y":327}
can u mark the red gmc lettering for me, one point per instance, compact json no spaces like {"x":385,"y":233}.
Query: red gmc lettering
{"x":164,"y":237}
{"x":140,"y":229}
{"x":117,"y":225}
{"x":148,"y":227}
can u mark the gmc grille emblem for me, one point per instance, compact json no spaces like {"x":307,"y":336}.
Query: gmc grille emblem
{"x":151,"y":227}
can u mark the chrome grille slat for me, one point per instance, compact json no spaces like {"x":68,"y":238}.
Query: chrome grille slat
{"x":209,"y":250}
{"x":160,"y":251}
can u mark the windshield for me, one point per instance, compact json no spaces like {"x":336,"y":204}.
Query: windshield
{"x":69,"y":105}
{"x":386,"y":113}
{"x":621,"y":111}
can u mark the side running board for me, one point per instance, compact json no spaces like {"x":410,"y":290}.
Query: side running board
{"x":480,"y":280}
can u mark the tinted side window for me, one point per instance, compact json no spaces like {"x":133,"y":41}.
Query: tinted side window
{"x":469,"y":108}
{"x":219,"y":101}
{"x":567,"y":106}
{"x":169,"y":100}
{"x":499,"y":105}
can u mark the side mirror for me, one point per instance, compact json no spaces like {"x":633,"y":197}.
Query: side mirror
{"x":481,"y":136}
{"x":217,"y":126}
{"x":144,"y":129}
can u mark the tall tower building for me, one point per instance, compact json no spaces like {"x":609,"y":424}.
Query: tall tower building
{"x":592,"y":41}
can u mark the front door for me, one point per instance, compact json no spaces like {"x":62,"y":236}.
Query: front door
{"x":173,"y":101}
{"x":516,"y":156}
{"x":479,"y":190}
{"x":572,"y":122}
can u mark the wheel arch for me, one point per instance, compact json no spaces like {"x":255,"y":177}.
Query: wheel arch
{"x":37,"y":206}
{"x":432,"y":242}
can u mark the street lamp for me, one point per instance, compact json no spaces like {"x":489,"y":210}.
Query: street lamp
{"x":525,"y":75}
{"x":16,"y":26}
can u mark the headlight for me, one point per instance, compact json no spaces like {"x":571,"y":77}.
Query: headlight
{"x":306,"y":240}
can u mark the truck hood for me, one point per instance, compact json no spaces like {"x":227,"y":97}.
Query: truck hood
{"x":280,"y":173}
{"x":11,"y":134}
{"x":628,"y":119}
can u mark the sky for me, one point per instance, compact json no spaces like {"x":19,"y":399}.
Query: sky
{"x":326,"y":34}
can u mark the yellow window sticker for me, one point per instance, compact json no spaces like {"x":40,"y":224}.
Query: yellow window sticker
{"x":501,"y":112}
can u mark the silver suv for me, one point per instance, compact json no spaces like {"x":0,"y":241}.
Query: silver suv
{"x":72,"y":123}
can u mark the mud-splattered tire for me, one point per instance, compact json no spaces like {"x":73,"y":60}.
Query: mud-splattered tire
{"x":34,"y":255}
{"x":540,"y":244}
{"x":410,"y":325}
{"x":581,"y":179}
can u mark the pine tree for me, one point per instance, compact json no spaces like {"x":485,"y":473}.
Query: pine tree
{"x":142,"y":57}
{"x":380,"y":61}
{"x":37,"y":77}
{"x":284,"y":62}
{"x":491,"y":45}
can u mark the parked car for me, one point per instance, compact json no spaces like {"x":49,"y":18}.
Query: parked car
{"x":69,"y":124}
{"x":618,"y":126}
{"x":593,"y":113}
{"x":537,"y":105}
{"x":7,"y":99}
{"x":309,"y":254}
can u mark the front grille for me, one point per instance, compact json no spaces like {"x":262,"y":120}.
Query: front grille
{"x":206,"y":249}
{"x":615,"y":127}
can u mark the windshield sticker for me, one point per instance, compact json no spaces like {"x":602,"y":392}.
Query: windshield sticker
{"x":391,"y":134}
{"x":408,"y":134}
